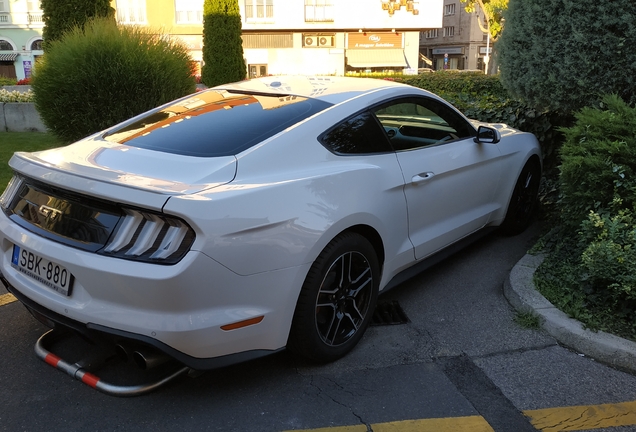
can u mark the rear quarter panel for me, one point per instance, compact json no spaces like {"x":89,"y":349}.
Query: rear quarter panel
{"x":290,"y":198}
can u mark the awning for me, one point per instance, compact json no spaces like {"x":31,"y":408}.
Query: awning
{"x":8,"y":56}
{"x":426,"y":60}
{"x":376,"y":58}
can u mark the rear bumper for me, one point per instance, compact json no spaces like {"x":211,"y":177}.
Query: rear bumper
{"x":96,"y":332}
{"x":186,"y":310}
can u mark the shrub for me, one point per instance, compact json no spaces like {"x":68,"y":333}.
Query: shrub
{"x":598,"y":161}
{"x":103,"y":74}
{"x":609,"y":260}
{"x":222,"y":43}
{"x":4,"y":81}
{"x":566,"y":54}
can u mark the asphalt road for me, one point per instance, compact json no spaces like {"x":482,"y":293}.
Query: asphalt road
{"x":460,"y":363}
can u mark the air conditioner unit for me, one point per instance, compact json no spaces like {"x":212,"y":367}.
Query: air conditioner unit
{"x":311,"y":41}
{"x":325,"y":41}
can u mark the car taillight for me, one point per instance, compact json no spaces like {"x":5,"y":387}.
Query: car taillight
{"x":150,"y":237}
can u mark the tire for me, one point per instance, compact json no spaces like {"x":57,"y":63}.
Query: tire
{"x":524,"y":198}
{"x":337,"y":300}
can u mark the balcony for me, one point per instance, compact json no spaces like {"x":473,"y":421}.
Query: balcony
{"x":35,"y":18}
{"x":19,"y":19}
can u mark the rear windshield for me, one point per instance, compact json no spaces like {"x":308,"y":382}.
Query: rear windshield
{"x":216,"y":123}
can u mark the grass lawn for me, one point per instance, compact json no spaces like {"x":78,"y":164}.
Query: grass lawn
{"x":11,"y":142}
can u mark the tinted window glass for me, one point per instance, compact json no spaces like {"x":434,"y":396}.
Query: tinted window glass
{"x":418,"y":122}
{"x":358,"y":134}
{"x":216,"y":123}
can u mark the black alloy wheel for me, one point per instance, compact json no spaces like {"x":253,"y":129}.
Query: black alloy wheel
{"x":523,"y":200}
{"x":337,"y":300}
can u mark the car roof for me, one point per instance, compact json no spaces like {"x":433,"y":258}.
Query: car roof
{"x":331,"y":89}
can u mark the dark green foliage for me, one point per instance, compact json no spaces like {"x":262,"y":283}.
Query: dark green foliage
{"x":4,"y":81}
{"x":104,"y":74}
{"x":61,"y":16}
{"x":222,"y":43}
{"x":565,"y":54}
{"x":468,"y":83}
{"x":598,"y":161}
{"x":590,"y":268}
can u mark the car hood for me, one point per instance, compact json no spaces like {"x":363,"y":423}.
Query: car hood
{"x":132,"y":167}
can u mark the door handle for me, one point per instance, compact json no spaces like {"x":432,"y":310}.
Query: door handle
{"x":419,"y":178}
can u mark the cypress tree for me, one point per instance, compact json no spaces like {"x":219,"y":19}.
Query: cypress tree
{"x":222,"y":43}
{"x":61,"y":16}
{"x":565,"y":54}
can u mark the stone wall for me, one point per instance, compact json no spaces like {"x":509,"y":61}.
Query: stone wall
{"x":20,"y":117}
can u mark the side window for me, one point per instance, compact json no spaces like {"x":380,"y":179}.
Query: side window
{"x":419,"y":122}
{"x":360,"y":134}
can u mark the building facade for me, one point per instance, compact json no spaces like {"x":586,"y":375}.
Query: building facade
{"x":459,"y":43}
{"x":323,"y":37}
{"x":21,"y":27}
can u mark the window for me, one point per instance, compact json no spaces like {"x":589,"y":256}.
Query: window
{"x":419,"y":122}
{"x":131,"y":11}
{"x":257,"y":70}
{"x":449,"y":31}
{"x":432,"y":33}
{"x":33,"y":6}
{"x":2,"y":5}
{"x":259,"y":10}
{"x":5,"y":45}
{"x":319,"y":10}
{"x":360,"y":134}
{"x":36,"y":45}
{"x":188,"y":11}
{"x":212,"y":123}
{"x":449,"y":9}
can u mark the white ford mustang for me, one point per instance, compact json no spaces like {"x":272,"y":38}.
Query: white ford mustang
{"x":255,"y":216}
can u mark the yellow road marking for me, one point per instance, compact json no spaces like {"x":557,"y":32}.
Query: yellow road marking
{"x":451,"y":424}
{"x":6,"y":299}
{"x":588,"y":417}
{"x":356,"y":428}
{"x":574,"y":418}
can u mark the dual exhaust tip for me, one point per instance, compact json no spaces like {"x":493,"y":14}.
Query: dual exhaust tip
{"x":145,"y":358}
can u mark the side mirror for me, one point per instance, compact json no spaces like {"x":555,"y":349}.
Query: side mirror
{"x":488,"y":135}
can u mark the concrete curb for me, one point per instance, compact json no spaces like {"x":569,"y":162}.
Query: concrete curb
{"x":520,"y":291}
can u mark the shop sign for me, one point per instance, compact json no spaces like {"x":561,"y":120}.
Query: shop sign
{"x":449,"y":50}
{"x":374,"y":40}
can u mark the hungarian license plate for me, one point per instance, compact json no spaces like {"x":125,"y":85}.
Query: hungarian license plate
{"x":44,"y":271}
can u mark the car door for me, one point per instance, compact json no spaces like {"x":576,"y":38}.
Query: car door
{"x":449,"y":179}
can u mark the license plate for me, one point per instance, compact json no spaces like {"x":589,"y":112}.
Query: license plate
{"x":44,"y":271}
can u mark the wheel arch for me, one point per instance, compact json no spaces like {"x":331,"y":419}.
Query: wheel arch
{"x":373,"y":237}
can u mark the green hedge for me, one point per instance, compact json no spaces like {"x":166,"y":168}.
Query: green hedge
{"x":598,"y":161}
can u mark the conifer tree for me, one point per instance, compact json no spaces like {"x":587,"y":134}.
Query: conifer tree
{"x":61,"y":16}
{"x":222,"y":43}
